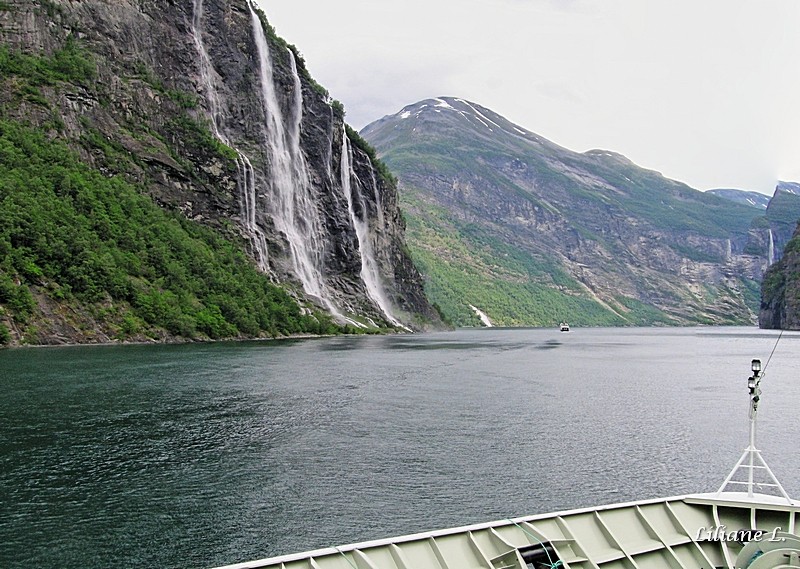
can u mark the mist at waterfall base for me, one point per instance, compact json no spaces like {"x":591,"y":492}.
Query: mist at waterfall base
{"x":205,"y":455}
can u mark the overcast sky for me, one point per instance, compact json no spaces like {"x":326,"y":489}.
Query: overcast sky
{"x":705,"y":91}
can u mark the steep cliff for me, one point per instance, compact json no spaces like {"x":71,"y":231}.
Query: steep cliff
{"x":780,"y":290}
{"x":530,"y":233}
{"x":200,"y":106}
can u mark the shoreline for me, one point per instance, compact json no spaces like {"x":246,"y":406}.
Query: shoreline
{"x":182,"y":342}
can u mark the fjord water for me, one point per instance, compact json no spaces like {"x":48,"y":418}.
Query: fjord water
{"x":204,"y":455}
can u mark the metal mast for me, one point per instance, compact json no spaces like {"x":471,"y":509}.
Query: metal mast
{"x":751,"y":460}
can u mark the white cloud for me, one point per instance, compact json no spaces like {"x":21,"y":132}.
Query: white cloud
{"x":701,"y":91}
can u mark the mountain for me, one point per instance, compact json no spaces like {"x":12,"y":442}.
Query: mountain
{"x":772,"y":231}
{"x":171,"y":170}
{"x":783,"y":210}
{"x":788,"y":187}
{"x":780,"y":290}
{"x":754,"y":199}
{"x":530,"y":233}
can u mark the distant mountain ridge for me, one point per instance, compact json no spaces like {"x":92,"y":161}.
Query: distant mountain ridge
{"x":744,"y":197}
{"x":788,"y":187}
{"x":531,"y":233}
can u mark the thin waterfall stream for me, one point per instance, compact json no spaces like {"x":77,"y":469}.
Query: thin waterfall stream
{"x":245,"y":179}
{"x":771,"y":249}
{"x":370,"y":272}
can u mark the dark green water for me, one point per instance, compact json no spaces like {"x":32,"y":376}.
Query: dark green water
{"x":205,"y":455}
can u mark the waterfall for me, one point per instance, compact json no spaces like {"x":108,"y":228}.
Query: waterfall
{"x":370,"y":273}
{"x":378,"y":202}
{"x":246,"y":186}
{"x":245,"y":179}
{"x":771,"y":249}
{"x":206,"y":69}
{"x":292,"y":206}
{"x":482,"y":315}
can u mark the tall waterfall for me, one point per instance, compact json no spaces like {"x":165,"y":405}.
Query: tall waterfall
{"x":771,"y":249}
{"x":370,"y":272}
{"x":292,"y":205}
{"x":245,"y":179}
{"x":206,"y":68}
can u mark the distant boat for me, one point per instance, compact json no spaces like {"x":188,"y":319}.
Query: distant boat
{"x":564,"y":327}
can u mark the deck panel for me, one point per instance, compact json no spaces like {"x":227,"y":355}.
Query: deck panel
{"x":647,"y":534}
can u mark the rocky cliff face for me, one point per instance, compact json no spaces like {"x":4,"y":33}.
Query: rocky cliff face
{"x":217,"y":117}
{"x":780,"y":219}
{"x":778,"y":232}
{"x":532,"y":233}
{"x":780,"y":290}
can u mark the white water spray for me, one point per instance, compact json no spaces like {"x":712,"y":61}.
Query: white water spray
{"x":370,"y":272}
{"x":771,"y":249}
{"x":482,"y":315}
{"x":292,"y":205}
{"x":245,"y":179}
{"x":246,"y":185}
{"x":206,"y":69}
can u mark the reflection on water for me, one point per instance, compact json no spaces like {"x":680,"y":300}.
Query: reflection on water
{"x":203,"y":455}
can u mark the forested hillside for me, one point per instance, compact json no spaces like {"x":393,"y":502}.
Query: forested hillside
{"x":135,"y":205}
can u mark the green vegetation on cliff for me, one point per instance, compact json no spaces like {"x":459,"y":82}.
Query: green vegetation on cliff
{"x":464,"y":264}
{"x":784,"y":208}
{"x":93,"y":245}
{"x":98,"y":242}
{"x":358,"y":141}
{"x":780,"y":289}
{"x":531,"y":233}
{"x":70,"y":63}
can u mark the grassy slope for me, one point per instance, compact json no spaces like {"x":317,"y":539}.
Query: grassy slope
{"x":464,"y":265}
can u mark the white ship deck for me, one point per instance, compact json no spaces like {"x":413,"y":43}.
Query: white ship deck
{"x":671,"y":532}
{"x":726,"y":529}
